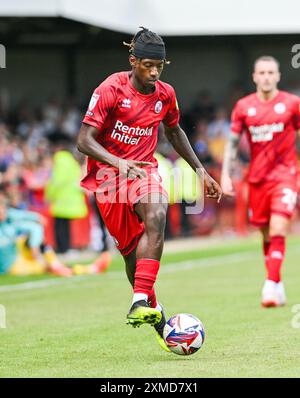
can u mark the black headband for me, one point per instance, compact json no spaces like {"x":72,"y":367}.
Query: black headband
{"x":149,"y":50}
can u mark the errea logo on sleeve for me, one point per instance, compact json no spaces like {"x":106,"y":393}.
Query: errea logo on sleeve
{"x":126,"y":103}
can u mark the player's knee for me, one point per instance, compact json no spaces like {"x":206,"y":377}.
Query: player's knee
{"x":156,"y":219}
{"x":279,"y":227}
{"x":278,"y":232}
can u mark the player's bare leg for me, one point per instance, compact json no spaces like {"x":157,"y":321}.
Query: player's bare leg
{"x":148,"y":253}
{"x":273,"y":293}
{"x":130,"y":264}
{"x":149,"y":249}
{"x":154,"y":216}
{"x":152,"y":210}
{"x":279,"y":225}
{"x":266,"y":243}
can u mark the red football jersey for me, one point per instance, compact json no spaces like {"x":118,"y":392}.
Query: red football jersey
{"x":271,"y":130}
{"x":128,"y":120}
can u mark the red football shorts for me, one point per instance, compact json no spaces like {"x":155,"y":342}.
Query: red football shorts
{"x":116,"y":198}
{"x":271,"y":197}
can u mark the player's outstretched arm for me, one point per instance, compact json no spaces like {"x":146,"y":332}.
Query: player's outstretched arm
{"x":230,"y":155}
{"x":87,"y":144}
{"x":182,"y":146}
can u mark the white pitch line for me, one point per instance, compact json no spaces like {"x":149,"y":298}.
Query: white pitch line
{"x":40,"y":284}
{"x":208,"y":262}
{"x":223,"y":259}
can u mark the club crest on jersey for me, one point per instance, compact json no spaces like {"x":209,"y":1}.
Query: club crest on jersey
{"x":280,"y":108}
{"x":158,"y":107}
{"x":126,"y":103}
{"x":252,"y":111}
{"x":93,"y":101}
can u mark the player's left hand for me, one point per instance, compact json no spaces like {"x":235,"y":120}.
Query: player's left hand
{"x":212,"y":188}
{"x":133,"y":168}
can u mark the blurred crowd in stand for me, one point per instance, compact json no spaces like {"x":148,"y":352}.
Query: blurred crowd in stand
{"x":40,"y":170}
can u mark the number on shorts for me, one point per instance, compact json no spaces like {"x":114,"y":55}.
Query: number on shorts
{"x":289,"y":198}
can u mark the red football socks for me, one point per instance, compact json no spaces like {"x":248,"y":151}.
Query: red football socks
{"x":145,"y":277}
{"x":152,"y":299}
{"x":275,"y":257}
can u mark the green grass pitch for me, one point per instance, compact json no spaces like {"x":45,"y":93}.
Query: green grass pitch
{"x":76,"y":327}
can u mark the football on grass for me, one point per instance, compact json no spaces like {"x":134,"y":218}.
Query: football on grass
{"x":184,"y":334}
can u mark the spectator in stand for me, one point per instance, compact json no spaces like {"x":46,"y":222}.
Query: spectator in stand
{"x":29,"y":254}
{"x":220,"y":125}
{"x":166,"y":171}
{"x":52,"y":114}
{"x":71,"y":120}
{"x":36,"y":173}
{"x":200,"y":142}
{"x":236,"y":91}
{"x":64,"y":195}
{"x":217,"y":133}
{"x":103,"y":261}
{"x":204,"y":107}
{"x":188,"y":189}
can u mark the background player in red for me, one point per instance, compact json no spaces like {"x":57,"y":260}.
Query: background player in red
{"x":119,"y":135}
{"x":270,"y":118}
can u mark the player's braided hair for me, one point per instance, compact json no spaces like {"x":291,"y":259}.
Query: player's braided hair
{"x":147,"y":37}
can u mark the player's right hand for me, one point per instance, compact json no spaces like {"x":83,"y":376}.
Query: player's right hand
{"x":227,"y":186}
{"x":133,"y":168}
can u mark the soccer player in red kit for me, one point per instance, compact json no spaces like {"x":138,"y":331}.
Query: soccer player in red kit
{"x":270,"y":118}
{"x":119,"y":135}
